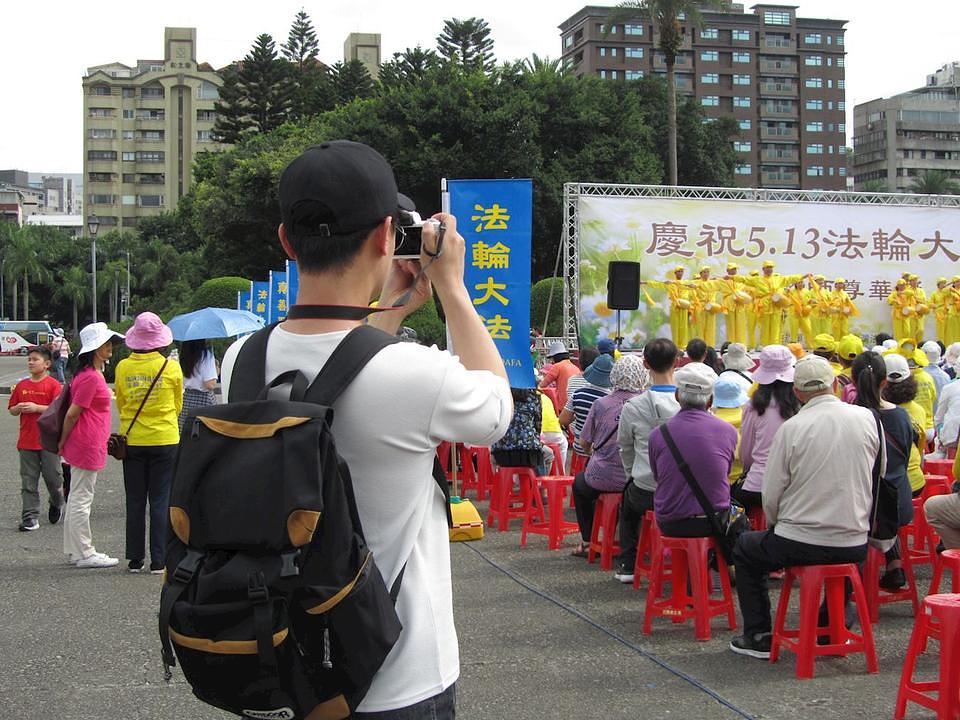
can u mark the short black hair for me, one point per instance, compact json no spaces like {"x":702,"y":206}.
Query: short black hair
{"x":883,"y":337}
{"x":660,"y":354}
{"x":43,"y":351}
{"x":587,"y":356}
{"x":318,"y":253}
{"x":696,"y":350}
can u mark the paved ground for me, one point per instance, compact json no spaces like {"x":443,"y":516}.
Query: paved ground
{"x":542,"y":635}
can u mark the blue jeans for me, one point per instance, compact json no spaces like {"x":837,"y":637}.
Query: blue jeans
{"x":147,"y":475}
{"x":438,"y":707}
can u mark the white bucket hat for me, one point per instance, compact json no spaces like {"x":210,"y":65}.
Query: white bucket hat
{"x":94,"y":335}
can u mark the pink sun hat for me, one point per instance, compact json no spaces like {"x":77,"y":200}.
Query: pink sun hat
{"x":148,"y":333}
{"x":776,"y":363}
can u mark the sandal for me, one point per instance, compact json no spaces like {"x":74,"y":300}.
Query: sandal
{"x":580,"y":551}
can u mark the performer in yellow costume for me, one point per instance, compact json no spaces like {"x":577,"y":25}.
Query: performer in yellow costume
{"x":817,"y":297}
{"x":772,"y":302}
{"x":799,"y":311}
{"x":843,"y":308}
{"x":736,"y":303}
{"x":706,"y":307}
{"x":938,"y":306}
{"x":953,"y":311}
{"x":681,"y":302}
{"x":753,"y":314}
{"x":922,"y":309}
{"x":902,"y":308}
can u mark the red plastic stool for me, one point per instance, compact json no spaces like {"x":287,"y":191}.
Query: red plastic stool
{"x":577,"y":463}
{"x":943,"y":613}
{"x":757,"y":518}
{"x":505,"y":504}
{"x":939,"y":467}
{"x":919,"y":533}
{"x":553,"y":526}
{"x":557,"y":467}
{"x":877,"y":596}
{"x":803,"y":640}
{"x":689,"y":559}
{"x":480,"y":480}
{"x":603,"y":539}
{"x":935,"y":485}
{"x":647,"y":545}
{"x":947,"y":560}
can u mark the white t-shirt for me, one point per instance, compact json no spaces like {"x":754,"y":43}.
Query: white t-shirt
{"x":387,"y":425}
{"x":204,"y":371}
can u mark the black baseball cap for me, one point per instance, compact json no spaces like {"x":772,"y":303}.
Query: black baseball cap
{"x":338,"y":187}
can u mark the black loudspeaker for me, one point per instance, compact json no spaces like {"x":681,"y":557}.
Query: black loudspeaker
{"x":623,"y":285}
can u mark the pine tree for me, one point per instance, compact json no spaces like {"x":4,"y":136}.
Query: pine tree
{"x":233,"y":118}
{"x":267,"y":83}
{"x":351,"y":80}
{"x":412,"y":66}
{"x":467,"y":43}
{"x":301,"y":47}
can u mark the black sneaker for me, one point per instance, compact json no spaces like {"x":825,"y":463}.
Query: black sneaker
{"x":756,"y":646}
{"x":54,"y":514}
{"x":623,"y":574}
{"x":893,"y":580}
{"x":28,"y":526}
{"x":135,"y":566}
{"x":156,"y":568}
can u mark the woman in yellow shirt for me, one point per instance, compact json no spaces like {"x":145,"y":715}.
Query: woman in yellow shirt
{"x":152,"y":435}
{"x":550,"y":431}
{"x":728,"y":401}
{"x":901,"y":389}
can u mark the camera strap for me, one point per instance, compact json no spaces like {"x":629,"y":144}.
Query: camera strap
{"x":333,"y":312}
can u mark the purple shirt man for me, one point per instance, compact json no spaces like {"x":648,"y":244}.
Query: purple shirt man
{"x":706,"y":442}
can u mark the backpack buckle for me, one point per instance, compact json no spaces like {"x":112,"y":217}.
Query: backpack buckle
{"x":288,"y":566}
{"x":257,"y":588}
{"x":187,"y":567}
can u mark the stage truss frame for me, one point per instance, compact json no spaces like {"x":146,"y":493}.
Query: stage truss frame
{"x":572,"y":192}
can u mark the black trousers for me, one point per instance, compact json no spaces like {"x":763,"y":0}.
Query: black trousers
{"x":633,"y":507}
{"x":585,"y":503}
{"x":748,"y":498}
{"x":758,"y":553}
{"x":147,"y":475}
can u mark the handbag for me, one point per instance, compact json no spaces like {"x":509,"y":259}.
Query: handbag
{"x":51,"y":420}
{"x":728,"y":525}
{"x":117,"y":442}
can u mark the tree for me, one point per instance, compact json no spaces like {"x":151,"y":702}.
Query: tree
{"x":935,"y":182}
{"x":666,"y":14}
{"x":301,"y":47}
{"x":259,"y":94}
{"x":351,"y":80}
{"x":411,"y":67}
{"x":535,"y":65}
{"x":875,"y":186}
{"x":73,"y":287}
{"x":467,"y":43}
{"x":22,"y":260}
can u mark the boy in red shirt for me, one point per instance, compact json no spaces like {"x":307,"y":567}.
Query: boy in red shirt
{"x":29,"y":399}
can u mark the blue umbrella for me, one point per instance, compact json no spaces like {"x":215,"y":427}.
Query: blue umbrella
{"x":214,"y":323}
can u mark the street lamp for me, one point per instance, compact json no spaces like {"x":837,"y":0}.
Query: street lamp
{"x":93,"y":224}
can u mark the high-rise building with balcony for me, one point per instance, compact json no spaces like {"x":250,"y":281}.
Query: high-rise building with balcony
{"x":781,"y":77}
{"x":142,"y":126}
{"x":898,"y":138}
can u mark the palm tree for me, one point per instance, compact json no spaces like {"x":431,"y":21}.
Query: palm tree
{"x":935,"y":182}
{"x":875,"y":186}
{"x":74,"y":286}
{"x":667,"y":15}
{"x":22,"y":259}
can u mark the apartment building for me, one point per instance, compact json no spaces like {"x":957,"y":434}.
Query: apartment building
{"x":779,"y":75}
{"x":897,"y":138}
{"x":142,"y":126}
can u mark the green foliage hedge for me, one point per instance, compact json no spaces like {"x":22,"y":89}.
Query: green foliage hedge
{"x":219,"y":292}
{"x":539,"y":297}
{"x":430,"y":328}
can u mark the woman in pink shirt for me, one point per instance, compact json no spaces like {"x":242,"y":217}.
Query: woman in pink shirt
{"x":560,"y":372}
{"x":83,"y":443}
{"x":772,"y":404}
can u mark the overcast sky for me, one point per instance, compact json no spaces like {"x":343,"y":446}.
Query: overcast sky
{"x":46,"y":49}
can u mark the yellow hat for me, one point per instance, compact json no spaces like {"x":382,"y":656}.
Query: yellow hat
{"x":732,"y":266}
{"x":768,"y":263}
{"x":849,"y":346}
{"x":796,"y":349}
{"x":941,"y":280}
{"x":824,"y":343}
{"x":955,"y":278}
{"x":819,"y":278}
{"x":754,"y":272}
{"x":906,"y":274}
{"x":679,"y":268}
{"x":703,"y":270}
{"x":901,"y":282}
{"x":839,"y":281}
{"x":908,"y":348}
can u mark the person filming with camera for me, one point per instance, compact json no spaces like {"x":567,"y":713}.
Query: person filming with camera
{"x":339,"y":210}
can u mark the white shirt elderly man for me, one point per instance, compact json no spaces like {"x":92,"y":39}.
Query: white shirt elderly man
{"x":817,"y":496}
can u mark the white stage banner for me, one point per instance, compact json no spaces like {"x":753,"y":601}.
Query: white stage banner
{"x":870,"y":246}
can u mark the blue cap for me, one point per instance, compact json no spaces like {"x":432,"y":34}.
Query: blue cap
{"x":606,"y":346}
{"x":728,"y":393}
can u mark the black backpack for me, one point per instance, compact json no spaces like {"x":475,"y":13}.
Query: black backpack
{"x":271,"y":599}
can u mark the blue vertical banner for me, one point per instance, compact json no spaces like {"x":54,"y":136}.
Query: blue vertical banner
{"x":277,"y":306}
{"x":495,"y":218}
{"x":260,"y":298}
{"x":244,"y":301}
{"x":293,"y":282}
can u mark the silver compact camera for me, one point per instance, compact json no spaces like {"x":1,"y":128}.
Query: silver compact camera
{"x":410,"y":234}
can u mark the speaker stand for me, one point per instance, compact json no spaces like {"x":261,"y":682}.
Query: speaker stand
{"x":618,"y":339}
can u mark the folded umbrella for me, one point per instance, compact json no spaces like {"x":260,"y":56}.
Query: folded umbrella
{"x":214,"y":322}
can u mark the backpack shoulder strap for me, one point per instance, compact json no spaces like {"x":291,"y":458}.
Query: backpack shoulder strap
{"x":250,"y":367}
{"x":345,"y":363}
